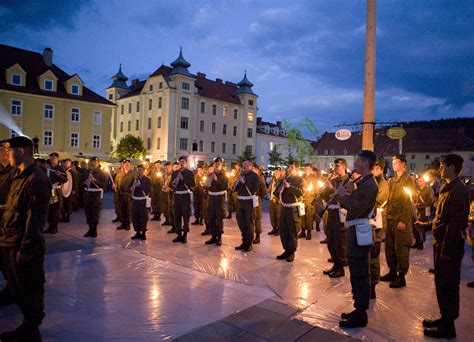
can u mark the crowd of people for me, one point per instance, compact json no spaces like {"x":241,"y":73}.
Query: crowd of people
{"x":357,"y":210}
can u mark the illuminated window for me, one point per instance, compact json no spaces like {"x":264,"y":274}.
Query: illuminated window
{"x":250,"y":116}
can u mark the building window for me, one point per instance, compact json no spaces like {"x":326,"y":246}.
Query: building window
{"x":249,"y":132}
{"x":129,"y":125}
{"x":97,"y":117}
{"x":234,"y":148}
{"x":121,"y":126}
{"x":223,"y":148}
{"x":203,"y":107}
{"x":234,"y":133}
{"x":16,"y":107}
{"x":185,"y":86}
{"x":160,"y":85}
{"x":184,"y":122}
{"x":345,"y":152}
{"x":326,"y":152}
{"x":471,"y":157}
{"x":250,"y":116}
{"x":151,"y":87}
{"x":214,"y":109}
{"x":75,"y":115}
{"x":158,"y":143}
{"x":149,"y":123}
{"x":224,"y":112}
{"x":183,"y":144}
{"x":248,"y":148}
{"x":251,"y":103}
{"x":16,"y":80}
{"x":74,"y":139}
{"x":48,"y":85}
{"x":129,"y":108}
{"x":111,"y":96}
{"x":48,"y":138}
{"x":138,"y":106}
{"x":271,"y":146}
{"x":96,"y":141}
{"x":121,"y":109}
{"x":213,"y":147}
{"x":184,"y":103}
{"x":159,"y":122}
{"x":427,"y":156}
{"x":75,"y":89}
{"x":150,"y":104}
{"x":213,"y":128}
{"x":413,"y":166}
{"x":412,"y":156}
{"x":201,"y":126}
{"x":224,"y":129}
{"x":148,"y":143}
{"x":332,"y":152}
{"x":48,"y":111}
{"x":137,"y":125}
{"x":160,"y":102}
{"x":235,"y":114}
{"x":201,"y":145}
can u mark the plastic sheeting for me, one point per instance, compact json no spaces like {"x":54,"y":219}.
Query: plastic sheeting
{"x":154,"y":289}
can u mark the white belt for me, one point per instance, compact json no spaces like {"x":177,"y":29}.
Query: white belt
{"x":219,"y":193}
{"x":357,"y":221}
{"x":3,"y":206}
{"x":183,"y":192}
{"x":93,"y":189}
{"x":334,"y":206}
{"x":140,"y":198}
{"x":245,"y":197}
{"x":289,"y":205}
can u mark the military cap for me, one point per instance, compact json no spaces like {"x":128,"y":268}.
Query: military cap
{"x":18,"y":141}
{"x":140,"y":166}
{"x":183,"y":158}
{"x":67,"y":159}
{"x":368,"y":155}
{"x":217,"y":160}
{"x":121,"y":160}
{"x":175,"y":163}
{"x":94,"y":158}
{"x":380,"y":162}
{"x":212,"y":164}
{"x":291,"y":163}
{"x":125,"y":160}
{"x":340,"y":161}
{"x":54,"y":154}
{"x":278,"y":168}
{"x":167,"y":163}
{"x":157,"y":162}
{"x":400,"y":157}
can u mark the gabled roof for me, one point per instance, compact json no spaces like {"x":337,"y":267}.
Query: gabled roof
{"x":135,"y":89}
{"x":33,"y":64}
{"x":217,"y":90}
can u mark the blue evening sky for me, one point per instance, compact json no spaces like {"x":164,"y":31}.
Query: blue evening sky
{"x":306,"y":58}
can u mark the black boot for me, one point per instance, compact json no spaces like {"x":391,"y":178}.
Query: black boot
{"x":167,"y":222}
{"x":143,"y":237}
{"x":318,"y":228}
{"x":277,"y":232}
{"x":115,"y":220}
{"x":178,"y":238}
{"x":6,"y":298}
{"x":257,"y":239}
{"x":67,"y":218}
{"x":271,"y":232}
{"x":430,"y":323}
{"x":219,"y":240}
{"x":290,"y":257}
{"x":89,"y":232}
{"x":51,"y":230}
{"x":138,"y":235}
{"x":185,"y":238}
{"x":390,"y":276}
{"x":229,"y":216}
{"x":337,"y":273}
{"x":308,"y":235}
{"x":248,"y":247}
{"x":206,"y":231}
{"x":171,"y":231}
{"x":398,"y":282}
{"x":356,"y":320}
{"x":241,"y":246}
{"x":282,"y":256}
{"x":211,"y":241}
{"x":325,"y":241}
{"x":196,"y":222}
{"x":347,"y":315}
{"x":201,"y":222}
{"x":329,"y":271}
{"x":444,"y":329}
{"x":373,"y":295}
{"x":94,"y":231}
{"x":302,"y":234}
{"x":155,"y":218}
{"x":22,"y":333}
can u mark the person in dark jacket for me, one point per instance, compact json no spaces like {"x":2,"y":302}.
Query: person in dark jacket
{"x":124,"y":182}
{"x":140,"y":190}
{"x":57,"y":176}
{"x":449,"y":223}
{"x":22,"y":244}
{"x":94,"y":187}
{"x":261,"y":191}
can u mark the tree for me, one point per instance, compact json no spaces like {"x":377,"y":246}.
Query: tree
{"x":130,"y":147}
{"x":246,"y":155}
{"x":290,"y":159}
{"x":274,"y":157}
{"x":297,"y":140}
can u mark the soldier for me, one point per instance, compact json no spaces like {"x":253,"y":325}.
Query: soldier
{"x":311,"y":181}
{"x":66,"y":208}
{"x":359,"y":204}
{"x":167,"y":199}
{"x":148,"y":168}
{"x":118,"y":174}
{"x":378,"y":231}
{"x":423,"y":204}
{"x":94,"y":187}
{"x":232,"y":195}
{"x":261,"y":191}
{"x":449,"y":223}
{"x":156,"y":189}
{"x":398,"y":237}
{"x":290,"y":192}
{"x":246,"y":186}
{"x":124,"y":184}
{"x":198,"y":193}
{"x":274,"y":201}
{"x":75,"y":190}
{"x":216,"y":185}
{"x":336,"y":231}
{"x":57,"y":176}
{"x":140,"y":190}
{"x":205,"y":203}
{"x":22,"y":244}
{"x":182,"y":182}
{"x":83,"y":173}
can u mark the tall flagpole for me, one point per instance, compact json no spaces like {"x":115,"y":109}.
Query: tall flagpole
{"x":369,"y":79}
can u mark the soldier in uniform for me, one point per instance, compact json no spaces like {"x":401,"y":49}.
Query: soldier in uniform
{"x":57,"y":176}
{"x":449,"y":223}
{"x":398,"y":237}
{"x":156,"y":189}
{"x":261,"y":191}
{"x":205,"y":202}
{"x":198,"y":193}
{"x":423,"y":204}
{"x":165,"y":195}
{"x":22,"y":244}
{"x":290,"y":192}
{"x":116,"y":178}
{"x":232,"y":196}
{"x":94,"y":187}
{"x":274,"y":201}
{"x":216,"y":185}
{"x":140,"y":190}
{"x":124,"y":184}
{"x":246,"y":186}
{"x":82,"y":176}
{"x":148,"y":168}
{"x":311,"y":181}
{"x":66,"y":208}
{"x":359,"y":204}
{"x":336,"y":231}
{"x":378,"y":232}
{"x":182,"y":182}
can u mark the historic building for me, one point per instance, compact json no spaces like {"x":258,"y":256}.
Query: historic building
{"x":179,"y":113}
{"x":40,"y":99}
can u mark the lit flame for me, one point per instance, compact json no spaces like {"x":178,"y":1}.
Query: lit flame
{"x":320,"y":184}
{"x":227,"y":174}
{"x":204,"y":178}
{"x":158,"y":174}
{"x":407,"y":191}
{"x":310,"y":187}
{"x":232,"y":172}
{"x":426,"y":178}
{"x":300,"y":173}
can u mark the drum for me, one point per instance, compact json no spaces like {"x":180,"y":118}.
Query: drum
{"x":67,"y":187}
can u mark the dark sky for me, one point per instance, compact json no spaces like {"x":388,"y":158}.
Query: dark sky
{"x":306,"y":58}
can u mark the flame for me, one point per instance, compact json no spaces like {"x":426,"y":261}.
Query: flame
{"x":204,"y":178}
{"x":426,"y":178}
{"x":310,"y":187}
{"x":300,"y":173}
{"x":232,"y":172}
{"x":321,"y":184}
{"x":158,"y":174}
{"x":407,"y":191}
{"x":227,"y":174}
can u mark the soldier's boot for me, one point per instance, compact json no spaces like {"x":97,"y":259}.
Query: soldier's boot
{"x":431,"y":323}
{"x":94,"y":231}
{"x":178,"y":238}
{"x":138,"y":235}
{"x":302,"y":234}
{"x":282,"y":256}
{"x":470,"y":284}
{"x":390,"y":276}
{"x":22,"y":333}
{"x":290,"y":257}
{"x":171,"y":231}
{"x":318,"y":227}
{"x":167,"y":221}
{"x":219,"y":240}
{"x":257,"y":239}
{"x":195,"y":222}
{"x":229,"y":216}
{"x":143,"y":237}
{"x":185,"y":238}
{"x":398,"y":282}
{"x":121,"y":227}
{"x":206,"y":231}
{"x":155,"y":218}
{"x":211,"y":241}
{"x":5,"y":298}
{"x":308,"y":235}
{"x":51,"y":230}
{"x":201,"y":221}
{"x":444,"y":329}
{"x":271,"y":232}
{"x":67,"y":218}
{"x":89,"y":232}
{"x":277,"y":232}
{"x":357,"y":320}
{"x":241,"y":246}
{"x":329,"y":271}
{"x":324,"y":241}
{"x":373,"y":295}
{"x":417,"y":245}
{"x":337,"y":273}
{"x":248,"y":247}
{"x":116,"y":220}
{"x":347,"y":315}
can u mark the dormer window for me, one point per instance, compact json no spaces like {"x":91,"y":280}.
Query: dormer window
{"x":75,"y":89}
{"x":185,"y":86}
{"x":48,"y":85}
{"x":16,"y":79}
{"x":267,"y":129}
{"x":275,"y":130}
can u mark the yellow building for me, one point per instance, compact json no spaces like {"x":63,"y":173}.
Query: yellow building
{"x":178,"y":113}
{"x":37,"y":98}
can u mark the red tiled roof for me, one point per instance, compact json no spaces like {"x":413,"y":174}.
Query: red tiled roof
{"x":217,"y":90}
{"x":33,"y":64}
{"x":162,"y":70}
{"x":135,"y":89}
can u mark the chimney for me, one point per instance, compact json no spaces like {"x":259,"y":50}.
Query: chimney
{"x":201,"y":75}
{"x":218,"y":80}
{"x":48,"y":57}
{"x":135,"y":82}
{"x":279,"y":124}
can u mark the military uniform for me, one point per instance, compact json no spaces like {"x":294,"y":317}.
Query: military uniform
{"x":66,"y":208}
{"x":274,"y":207}
{"x":231,"y":195}
{"x":261,"y":191}
{"x":198,"y":193}
{"x":94,"y":188}
{"x":140,"y":190}
{"x":217,"y":191}
{"x":424,"y":202}
{"x":182,"y":182}
{"x":124,"y":183}
{"x":115,"y":179}
{"x":289,"y":220}
{"x":205,"y":207}
{"x":54,"y":210}
{"x":156,"y":190}
{"x":307,"y":220}
{"x":245,"y":211}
